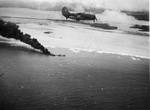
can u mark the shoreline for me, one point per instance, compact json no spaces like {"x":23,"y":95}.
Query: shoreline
{"x":74,"y":50}
{"x":98,"y":71}
{"x":87,"y":81}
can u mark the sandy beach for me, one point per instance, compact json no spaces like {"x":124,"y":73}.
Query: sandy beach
{"x":102,"y":69}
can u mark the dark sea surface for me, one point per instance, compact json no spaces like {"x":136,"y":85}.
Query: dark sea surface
{"x":79,"y":81}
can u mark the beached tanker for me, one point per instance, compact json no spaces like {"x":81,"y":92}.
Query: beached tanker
{"x":77,"y":16}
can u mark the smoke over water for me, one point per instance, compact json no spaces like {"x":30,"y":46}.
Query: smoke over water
{"x":111,"y":16}
{"x":10,"y":30}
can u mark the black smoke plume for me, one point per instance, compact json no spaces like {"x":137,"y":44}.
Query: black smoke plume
{"x":11,"y":30}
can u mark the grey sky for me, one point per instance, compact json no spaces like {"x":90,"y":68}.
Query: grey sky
{"x":111,"y":4}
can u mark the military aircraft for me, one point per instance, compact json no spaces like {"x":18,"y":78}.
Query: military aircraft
{"x":77,"y":16}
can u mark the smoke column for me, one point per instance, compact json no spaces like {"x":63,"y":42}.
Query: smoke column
{"x":10,"y":30}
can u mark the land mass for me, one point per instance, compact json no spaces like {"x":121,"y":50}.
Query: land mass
{"x":141,"y":27}
{"x":138,"y":15}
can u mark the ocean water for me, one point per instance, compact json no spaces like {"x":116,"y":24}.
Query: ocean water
{"x":103,"y":69}
{"x":83,"y":81}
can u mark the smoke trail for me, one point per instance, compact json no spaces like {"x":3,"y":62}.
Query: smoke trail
{"x":10,"y":30}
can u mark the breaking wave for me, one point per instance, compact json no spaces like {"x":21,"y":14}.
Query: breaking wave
{"x":133,"y":56}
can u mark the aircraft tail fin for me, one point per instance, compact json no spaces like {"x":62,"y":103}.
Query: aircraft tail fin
{"x":65,"y":12}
